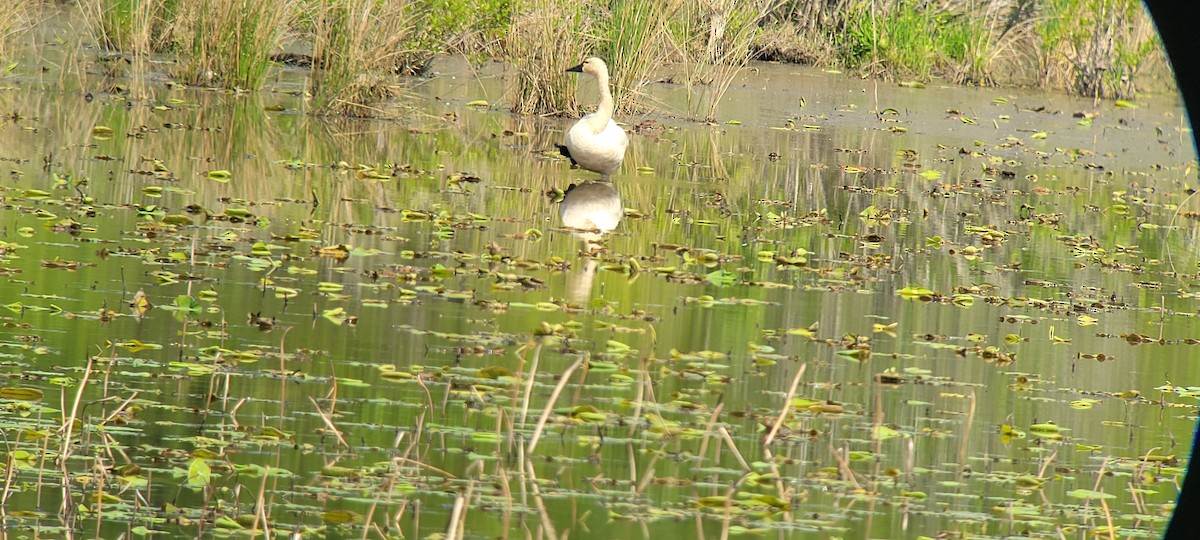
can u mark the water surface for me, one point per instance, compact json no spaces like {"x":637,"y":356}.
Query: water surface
{"x":354,"y":323}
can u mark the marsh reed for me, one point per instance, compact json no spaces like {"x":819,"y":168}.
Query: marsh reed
{"x":1099,"y":48}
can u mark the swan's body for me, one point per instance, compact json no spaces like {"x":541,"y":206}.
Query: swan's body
{"x":596,"y":142}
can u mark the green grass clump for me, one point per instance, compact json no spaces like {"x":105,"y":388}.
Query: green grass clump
{"x":715,"y":38}
{"x":229,"y":43}
{"x":1098,"y":48}
{"x":138,"y":27}
{"x":635,"y":40}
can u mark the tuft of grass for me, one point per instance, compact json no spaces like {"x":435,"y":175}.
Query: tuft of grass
{"x":356,"y":44}
{"x":138,"y":27}
{"x":1091,"y":47}
{"x":229,"y":43}
{"x":545,"y":38}
{"x":470,"y":27}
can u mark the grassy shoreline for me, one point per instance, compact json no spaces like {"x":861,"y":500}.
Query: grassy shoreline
{"x":1104,"y":49}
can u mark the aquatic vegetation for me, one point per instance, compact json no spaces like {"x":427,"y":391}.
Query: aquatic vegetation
{"x":635,"y":38}
{"x":716,"y":38}
{"x":1099,"y":48}
{"x":545,"y":38}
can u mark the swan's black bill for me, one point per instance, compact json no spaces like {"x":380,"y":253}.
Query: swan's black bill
{"x":576,"y":69}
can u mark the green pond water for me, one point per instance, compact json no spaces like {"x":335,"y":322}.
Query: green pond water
{"x":355,"y":329}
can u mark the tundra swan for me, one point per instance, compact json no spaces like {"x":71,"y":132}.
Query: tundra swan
{"x":596,"y":142}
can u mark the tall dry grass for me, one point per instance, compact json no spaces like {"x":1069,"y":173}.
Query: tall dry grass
{"x":20,"y":18}
{"x":1098,"y":54}
{"x":545,"y":38}
{"x":715,"y":37}
{"x":357,"y":45}
{"x":229,"y":43}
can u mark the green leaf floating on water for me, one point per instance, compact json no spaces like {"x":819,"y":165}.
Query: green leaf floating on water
{"x":721,"y":277}
{"x":1048,"y":430}
{"x":187,"y":303}
{"x":199,"y":474}
{"x":21,"y":393}
{"x":134,"y":345}
{"x":911,"y":293}
{"x":883,"y":433}
{"x":1089,"y":494}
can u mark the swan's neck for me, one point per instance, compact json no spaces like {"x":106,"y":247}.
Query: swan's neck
{"x":604,"y":112}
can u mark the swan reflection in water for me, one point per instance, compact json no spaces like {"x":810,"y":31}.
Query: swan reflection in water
{"x":589,"y":210}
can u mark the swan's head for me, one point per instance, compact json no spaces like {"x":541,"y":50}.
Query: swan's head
{"x":592,"y":66}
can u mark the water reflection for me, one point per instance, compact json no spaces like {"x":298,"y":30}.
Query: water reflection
{"x":590,"y":210}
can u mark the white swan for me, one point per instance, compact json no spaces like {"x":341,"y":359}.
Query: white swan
{"x":596,"y":142}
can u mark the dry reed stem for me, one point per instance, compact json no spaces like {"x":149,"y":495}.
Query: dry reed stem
{"x":728,"y":510}
{"x":68,"y":425}
{"x":9,"y":471}
{"x":538,"y":502}
{"x":409,"y":461}
{"x":787,"y":406}
{"x":233,"y":412}
{"x":549,"y":409}
{"x":963,"y":439}
{"x":452,"y":532}
{"x":537,"y":354}
{"x":733,"y":448}
{"x":1046,"y":464}
{"x":506,"y":493}
{"x":708,"y":429}
{"x":260,"y":507}
{"x":329,"y":423}
{"x":120,"y":408}
{"x":428,"y":396}
{"x":638,"y":399}
{"x":844,"y":467}
{"x":647,"y":477}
